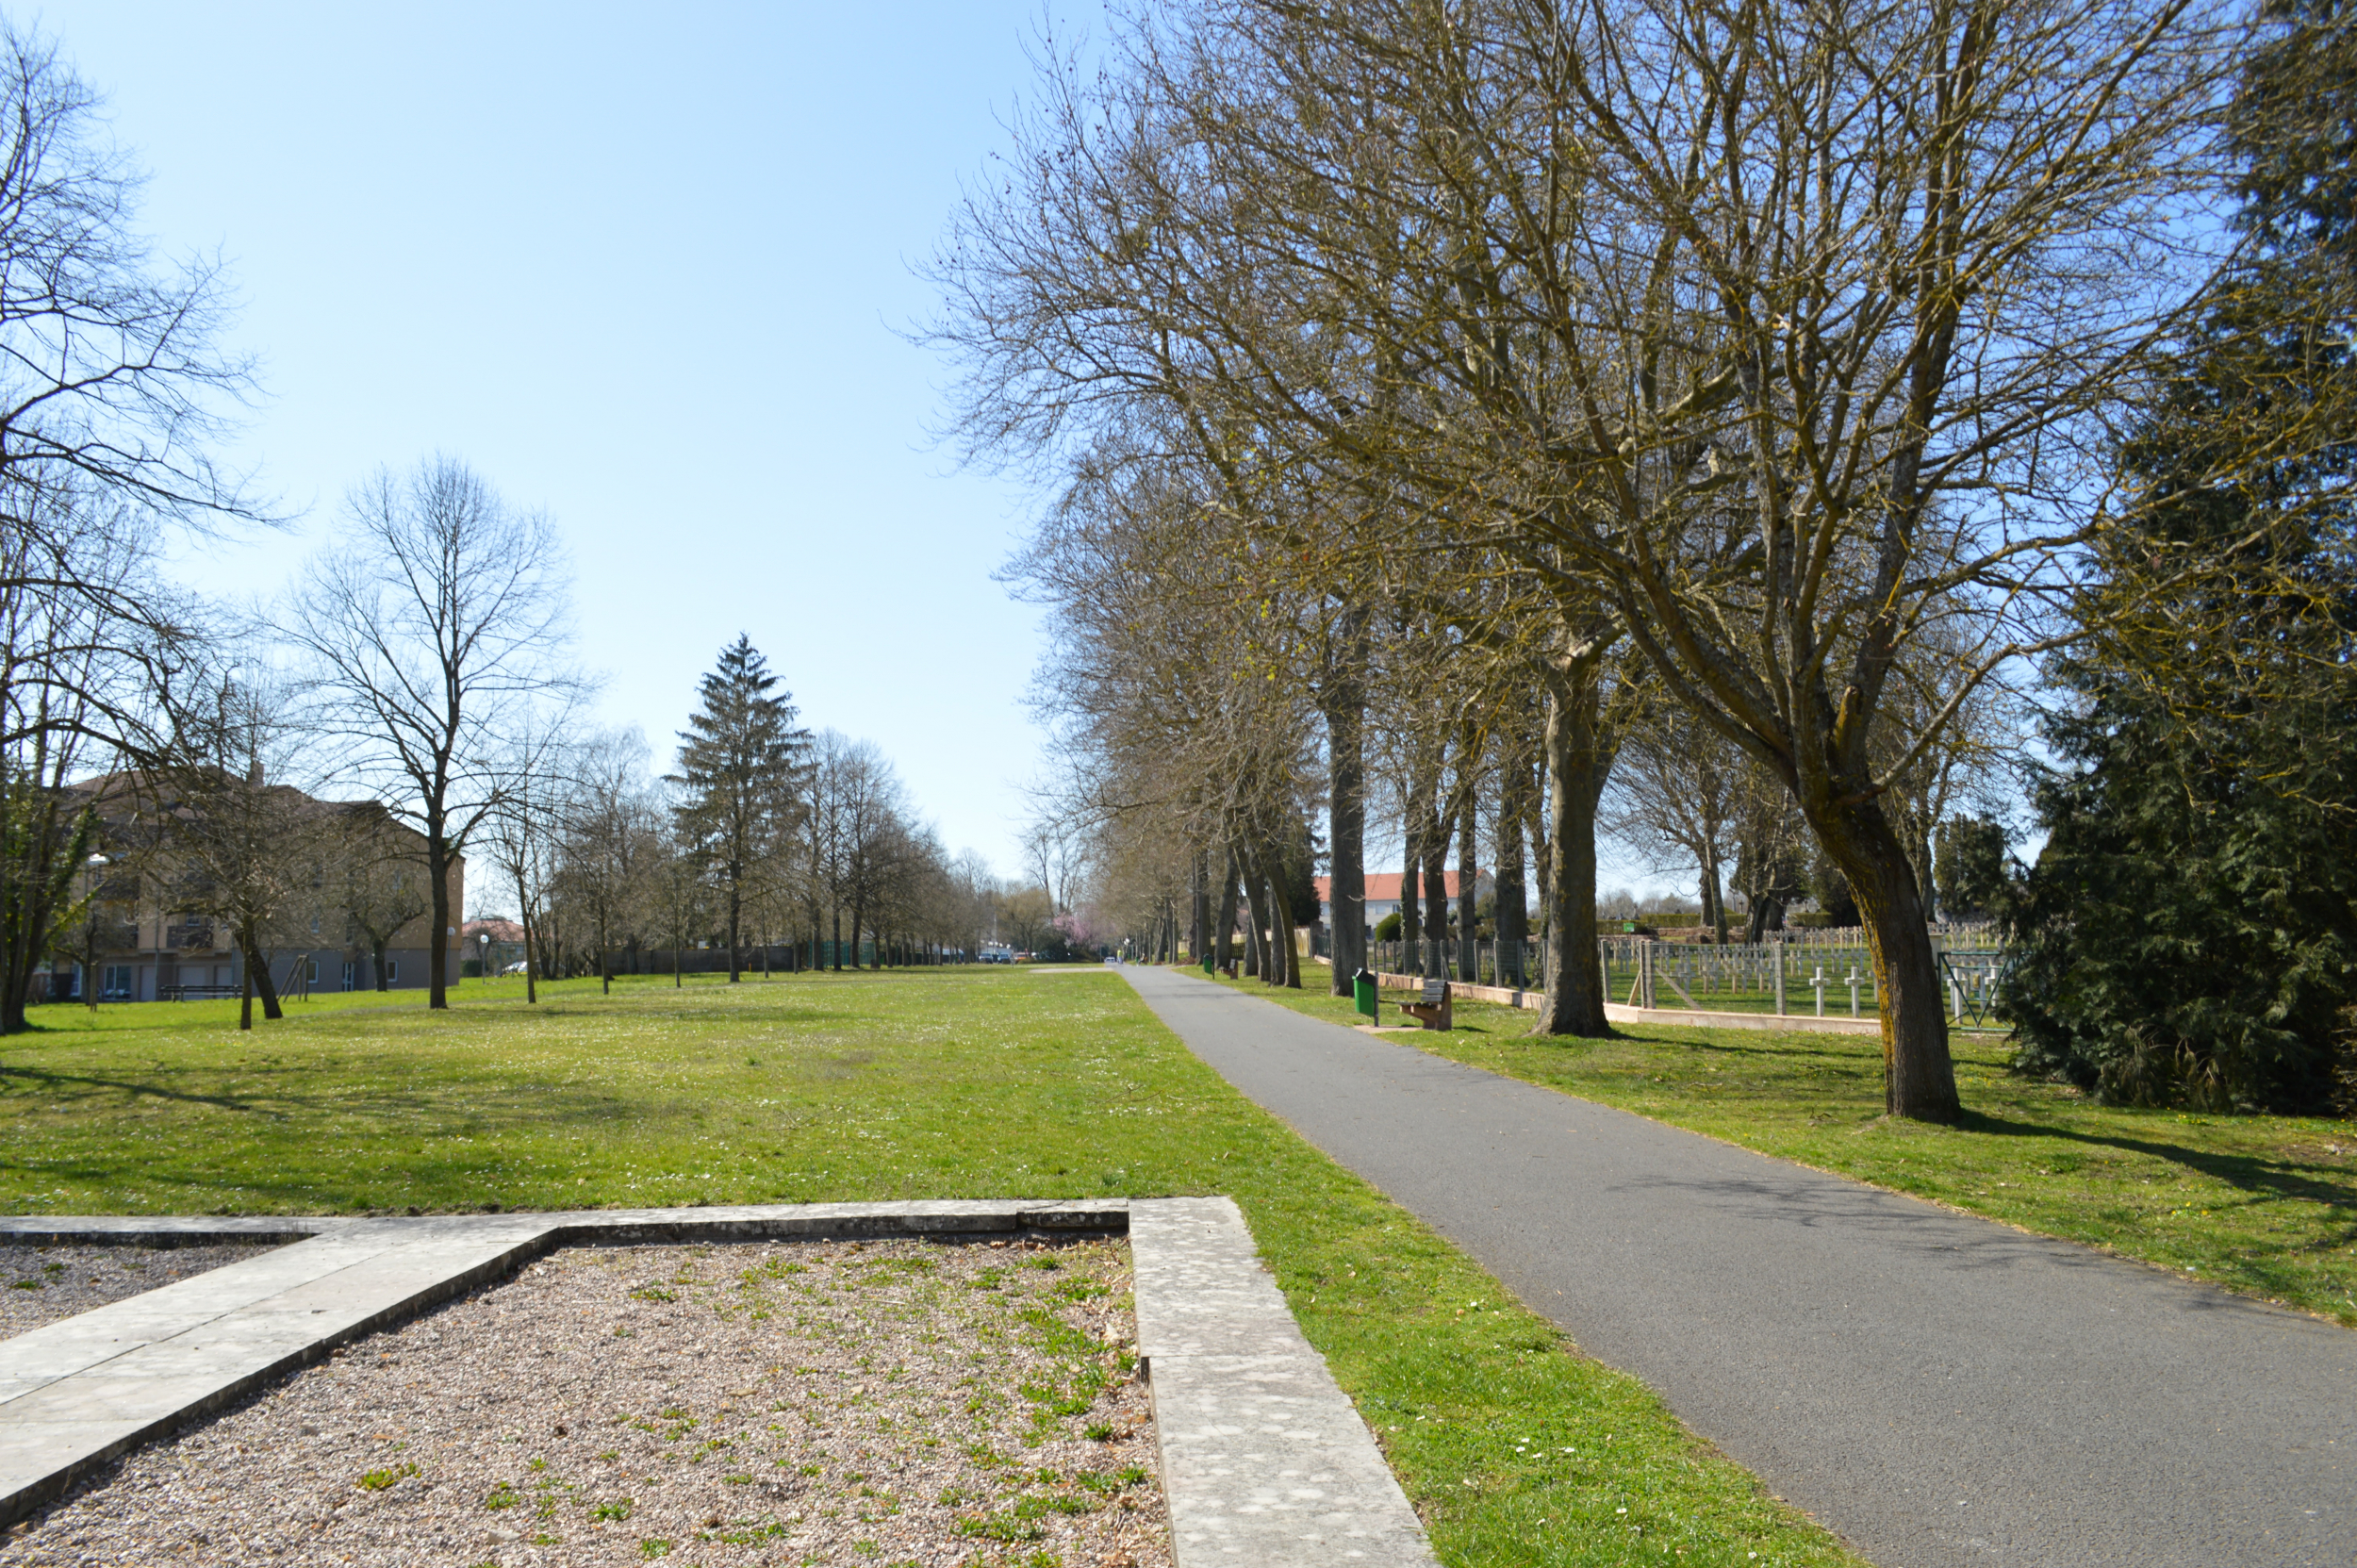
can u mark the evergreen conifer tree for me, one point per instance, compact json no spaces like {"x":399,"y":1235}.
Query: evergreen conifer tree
{"x":740,"y":771}
{"x":2189,"y":933}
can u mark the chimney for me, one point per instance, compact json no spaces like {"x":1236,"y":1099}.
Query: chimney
{"x":253,"y":776}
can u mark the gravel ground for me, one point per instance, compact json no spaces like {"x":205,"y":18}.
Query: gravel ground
{"x":880,"y":1403}
{"x":41,"y":1285}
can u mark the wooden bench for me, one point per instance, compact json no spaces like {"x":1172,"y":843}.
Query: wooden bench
{"x":1433,"y":1012}
{"x":195,"y":993}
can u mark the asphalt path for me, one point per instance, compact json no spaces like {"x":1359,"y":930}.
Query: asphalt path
{"x":1940,"y":1390}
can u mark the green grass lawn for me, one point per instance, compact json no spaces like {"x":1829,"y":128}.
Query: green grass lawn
{"x":2265,"y":1205}
{"x":988,"y":1082}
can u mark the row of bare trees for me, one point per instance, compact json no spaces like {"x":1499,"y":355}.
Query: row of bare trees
{"x":414,"y":680}
{"x":821,"y":863}
{"x":1511,"y":380}
{"x":418,"y":662}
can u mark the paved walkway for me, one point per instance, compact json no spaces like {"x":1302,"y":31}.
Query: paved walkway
{"x":1938,"y":1389}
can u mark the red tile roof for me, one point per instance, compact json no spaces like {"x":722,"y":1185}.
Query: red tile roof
{"x":1383,"y":887}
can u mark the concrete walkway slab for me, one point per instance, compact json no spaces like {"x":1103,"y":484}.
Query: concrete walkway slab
{"x":1264,"y":1459}
{"x":1941,"y":1390}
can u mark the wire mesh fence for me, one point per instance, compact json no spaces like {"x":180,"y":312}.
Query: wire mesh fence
{"x":1815,"y":973}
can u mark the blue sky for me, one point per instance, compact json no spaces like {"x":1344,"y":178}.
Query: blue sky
{"x":642,"y":268}
{"x":647,"y":270}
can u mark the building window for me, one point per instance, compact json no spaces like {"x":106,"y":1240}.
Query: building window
{"x":392,"y":971}
{"x":114,"y":982}
{"x":347,"y":974}
{"x":311,"y":972}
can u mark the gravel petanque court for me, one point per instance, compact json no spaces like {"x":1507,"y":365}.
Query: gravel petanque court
{"x":41,"y":1285}
{"x":876,"y":1403}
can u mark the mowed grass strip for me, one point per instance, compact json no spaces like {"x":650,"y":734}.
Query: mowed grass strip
{"x":971,"y":1083}
{"x":2264,"y":1205}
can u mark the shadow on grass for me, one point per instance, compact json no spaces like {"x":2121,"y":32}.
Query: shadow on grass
{"x":2250,"y":1173}
{"x":34,"y":1080}
{"x":480,"y":1105}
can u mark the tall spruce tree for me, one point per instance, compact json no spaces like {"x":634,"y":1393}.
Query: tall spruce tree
{"x":2189,"y":933}
{"x":740,"y":774}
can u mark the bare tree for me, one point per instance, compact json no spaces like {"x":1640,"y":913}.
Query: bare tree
{"x":614,"y":846}
{"x":525,"y":830}
{"x":231,"y":839}
{"x":383,"y":882}
{"x":680,"y":893}
{"x":1774,"y":339}
{"x":435,"y":624}
{"x":110,"y":367}
{"x":1678,"y":787}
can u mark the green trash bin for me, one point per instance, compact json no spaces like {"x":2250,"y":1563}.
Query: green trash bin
{"x":1208,"y":967}
{"x":1362,"y":996}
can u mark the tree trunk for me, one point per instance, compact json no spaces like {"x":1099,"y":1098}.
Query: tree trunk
{"x":376,"y":960}
{"x":45,"y":856}
{"x":1276,"y":952}
{"x":437,"y":858}
{"x":1435,"y":929}
{"x":1538,"y":794}
{"x":1918,"y":1077}
{"x":1578,"y":765}
{"x":1513,"y":909}
{"x":1347,"y":822}
{"x":1410,"y":901}
{"x":1224,"y":934}
{"x":257,"y":966}
{"x":1280,"y":905}
{"x":1255,"y":922}
{"x":736,"y":972}
{"x":1468,"y":895}
{"x":1198,"y":906}
{"x":523,"y":918}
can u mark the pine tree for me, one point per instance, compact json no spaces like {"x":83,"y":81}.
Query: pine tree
{"x":2189,"y":933}
{"x":1971,"y":866}
{"x":740,"y":769}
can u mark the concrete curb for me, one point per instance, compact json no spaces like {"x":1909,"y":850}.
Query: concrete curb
{"x":1264,"y":1460}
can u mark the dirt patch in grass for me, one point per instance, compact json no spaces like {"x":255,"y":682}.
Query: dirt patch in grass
{"x":899,"y":1402}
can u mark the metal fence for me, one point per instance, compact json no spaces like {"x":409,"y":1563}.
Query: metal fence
{"x":1821,"y":974}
